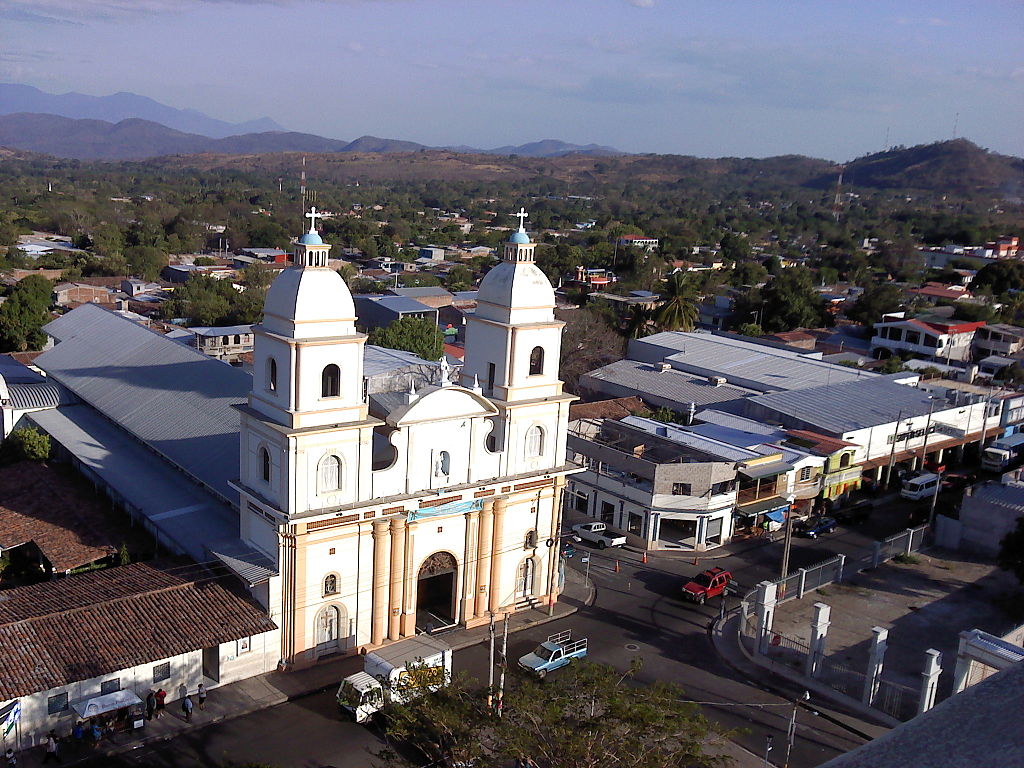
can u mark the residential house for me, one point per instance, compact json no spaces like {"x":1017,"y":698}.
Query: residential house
{"x":649,"y":244}
{"x":930,"y":338}
{"x":997,"y":339}
{"x":66,"y":294}
{"x":377,"y":311}
{"x":933,"y":293}
{"x":227,"y":343}
{"x":431,"y":296}
{"x":91,"y":646}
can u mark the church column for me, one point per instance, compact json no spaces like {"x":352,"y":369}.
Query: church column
{"x":397,"y":577}
{"x":469,"y":586}
{"x":380,"y":581}
{"x":408,"y":627}
{"x":496,"y":545}
{"x":483,"y":557}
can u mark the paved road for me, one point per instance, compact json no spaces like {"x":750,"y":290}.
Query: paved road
{"x":637,"y":612}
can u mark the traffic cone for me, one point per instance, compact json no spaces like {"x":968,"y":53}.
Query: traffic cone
{"x":617,"y":568}
{"x":644,"y":558}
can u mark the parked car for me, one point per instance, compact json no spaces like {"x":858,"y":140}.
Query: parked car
{"x":815,"y":527}
{"x":710,"y":583}
{"x":920,"y":487}
{"x":598,"y":533}
{"x":855,"y":513}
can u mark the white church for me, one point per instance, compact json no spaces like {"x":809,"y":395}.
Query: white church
{"x":355,"y":519}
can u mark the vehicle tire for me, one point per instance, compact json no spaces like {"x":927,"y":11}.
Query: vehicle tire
{"x":602,"y":544}
{"x":542,"y":674}
{"x":701,"y":599}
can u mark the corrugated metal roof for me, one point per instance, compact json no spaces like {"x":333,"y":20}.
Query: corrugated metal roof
{"x":683,"y":436}
{"x":41,"y":395}
{"x":173,"y":398}
{"x":742,"y":363}
{"x":381,"y":360}
{"x":15,"y":372}
{"x":840,"y":408}
{"x":630,"y":377}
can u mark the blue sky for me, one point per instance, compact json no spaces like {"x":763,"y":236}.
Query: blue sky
{"x":709,"y":78}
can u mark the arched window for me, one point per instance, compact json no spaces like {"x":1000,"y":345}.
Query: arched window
{"x":272,"y":374}
{"x":330,"y":381}
{"x":265,"y":464}
{"x":330,"y":474}
{"x":535,"y":441}
{"x":444,"y":464}
{"x":537,"y":361}
{"x":238,"y":339}
{"x":844,"y":460}
{"x":331,"y":584}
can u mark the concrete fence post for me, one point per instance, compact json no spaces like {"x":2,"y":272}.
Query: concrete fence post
{"x":766,"y":599}
{"x":930,"y":680}
{"x":910,"y":541}
{"x":819,"y":634}
{"x":962,"y":670}
{"x":842,"y":568}
{"x":876,"y":660}
{"x":876,"y":553}
{"x":803,"y":583}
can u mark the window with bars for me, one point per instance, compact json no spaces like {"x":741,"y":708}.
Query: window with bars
{"x":161,"y":672}
{"x":57,"y":704}
{"x":110,"y":686}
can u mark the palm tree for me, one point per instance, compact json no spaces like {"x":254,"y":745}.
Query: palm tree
{"x":678,"y":310}
{"x":639,"y":322}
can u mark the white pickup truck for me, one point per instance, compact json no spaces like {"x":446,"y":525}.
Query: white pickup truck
{"x":598,"y":533}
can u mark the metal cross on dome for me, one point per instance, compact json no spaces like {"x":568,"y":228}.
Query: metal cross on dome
{"x":522,"y":216}
{"x":312,"y":216}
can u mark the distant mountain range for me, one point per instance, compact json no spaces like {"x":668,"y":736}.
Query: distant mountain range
{"x":16,"y":98}
{"x":126,"y":126}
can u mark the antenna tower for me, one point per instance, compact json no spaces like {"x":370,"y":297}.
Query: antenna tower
{"x":837,"y":206}
{"x":302,"y":184}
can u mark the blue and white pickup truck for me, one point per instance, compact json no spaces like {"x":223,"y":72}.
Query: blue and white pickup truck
{"x":557,"y":651}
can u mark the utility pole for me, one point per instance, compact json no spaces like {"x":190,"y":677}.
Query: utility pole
{"x":767,"y":748}
{"x":935,"y":498}
{"x":791,"y":733}
{"x":787,"y":543}
{"x":504,"y":664}
{"x":490,"y":668}
{"x":927,"y":430}
{"x":556,"y":553}
{"x":892,"y":453}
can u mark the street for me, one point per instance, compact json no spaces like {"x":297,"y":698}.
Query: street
{"x":637,"y":612}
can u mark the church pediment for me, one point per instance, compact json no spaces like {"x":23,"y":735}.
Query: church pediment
{"x":442,"y":404}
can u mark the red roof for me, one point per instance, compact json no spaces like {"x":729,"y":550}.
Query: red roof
{"x":820,"y":444}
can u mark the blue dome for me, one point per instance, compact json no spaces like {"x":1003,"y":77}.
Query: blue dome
{"x":520,"y":238}
{"x":311,"y":238}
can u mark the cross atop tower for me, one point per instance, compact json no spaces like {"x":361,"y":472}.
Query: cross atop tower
{"x":522,"y":216}
{"x":312,"y":216}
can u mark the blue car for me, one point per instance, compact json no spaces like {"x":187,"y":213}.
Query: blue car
{"x":815,"y":527}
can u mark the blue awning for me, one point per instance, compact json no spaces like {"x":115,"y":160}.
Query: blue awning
{"x":778,"y":515}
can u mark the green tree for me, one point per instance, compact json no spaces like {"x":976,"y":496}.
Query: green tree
{"x":639,"y":322}
{"x":1002,"y":275}
{"x":970,"y":312}
{"x":588,"y":716}
{"x":748,"y":273}
{"x":876,"y":301}
{"x":28,"y":443}
{"x":413,"y":334}
{"x":678,"y":308}
{"x":24,"y":314}
{"x":735,"y":247}
{"x":459,"y":278}
{"x":750,"y":329}
{"x":204,"y":261}
{"x":588,"y":342}
{"x":146,"y":261}
{"x":790,"y":301}
{"x":1011,"y":551}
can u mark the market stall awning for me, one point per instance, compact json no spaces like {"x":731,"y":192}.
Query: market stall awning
{"x":778,"y":515}
{"x":775,"y":503}
{"x":109,"y":702}
{"x":765,"y":470}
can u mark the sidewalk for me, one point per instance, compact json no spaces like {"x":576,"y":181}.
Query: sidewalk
{"x":256,"y":693}
{"x":725,"y":639}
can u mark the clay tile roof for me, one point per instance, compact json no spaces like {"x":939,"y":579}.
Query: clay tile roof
{"x":38,"y":505}
{"x":617,"y":408}
{"x":820,"y":444}
{"x":93,"y":624}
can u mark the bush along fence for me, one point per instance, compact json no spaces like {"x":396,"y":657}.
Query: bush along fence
{"x":862,"y":688}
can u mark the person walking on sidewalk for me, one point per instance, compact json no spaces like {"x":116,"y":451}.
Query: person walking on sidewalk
{"x":150,"y":704}
{"x":51,"y":749}
{"x":186,"y":707}
{"x":202,"y":696}
{"x":161,"y":702}
{"x":12,"y":759}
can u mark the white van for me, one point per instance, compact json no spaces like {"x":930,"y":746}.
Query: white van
{"x":920,"y":487}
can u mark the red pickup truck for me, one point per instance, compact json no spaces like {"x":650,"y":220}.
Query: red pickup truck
{"x":713,"y":582}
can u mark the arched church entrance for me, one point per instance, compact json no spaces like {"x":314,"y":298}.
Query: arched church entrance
{"x":331,"y":630}
{"x":436,"y":598}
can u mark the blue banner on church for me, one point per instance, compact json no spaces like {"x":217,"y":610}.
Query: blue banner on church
{"x":451,"y":508}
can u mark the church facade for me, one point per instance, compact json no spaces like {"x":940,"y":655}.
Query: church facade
{"x":396,"y":513}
